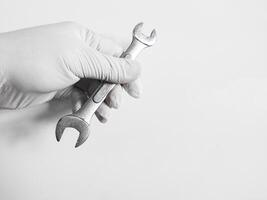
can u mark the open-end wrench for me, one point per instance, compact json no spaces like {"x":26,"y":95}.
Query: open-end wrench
{"x":81,"y":119}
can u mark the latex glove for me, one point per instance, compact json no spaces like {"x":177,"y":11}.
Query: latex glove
{"x":42,"y":63}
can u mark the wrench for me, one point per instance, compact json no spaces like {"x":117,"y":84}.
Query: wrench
{"x":81,"y":119}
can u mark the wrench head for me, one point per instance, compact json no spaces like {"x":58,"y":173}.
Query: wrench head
{"x":147,"y":40}
{"x":74,"y":122}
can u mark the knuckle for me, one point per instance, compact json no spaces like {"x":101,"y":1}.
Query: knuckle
{"x":90,"y":37}
{"x":110,"y":47}
{"x":82,"y":30}
{"x":134,"y":69}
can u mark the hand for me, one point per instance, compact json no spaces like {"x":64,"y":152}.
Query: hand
{"x":43,"y":63}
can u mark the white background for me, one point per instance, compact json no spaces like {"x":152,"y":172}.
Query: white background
{"x":198,"y":132}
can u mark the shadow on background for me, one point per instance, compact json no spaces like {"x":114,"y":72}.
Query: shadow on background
{"x":29,"y":123}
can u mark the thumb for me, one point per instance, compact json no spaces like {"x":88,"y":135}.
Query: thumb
{"x":96,"y":65}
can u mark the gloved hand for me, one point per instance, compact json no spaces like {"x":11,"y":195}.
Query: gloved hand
{"x":42,"y":63}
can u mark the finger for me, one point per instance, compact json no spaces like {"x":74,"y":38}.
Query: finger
{"x":134,"y":88}
{"x":78,"y":98}
{"x":102,"y":43}
{"x":103,"y":113}
{"x":113,"y":100}
{"x":89,"y":63}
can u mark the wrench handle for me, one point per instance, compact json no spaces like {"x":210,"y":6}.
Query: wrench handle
{"x":91,"y":105}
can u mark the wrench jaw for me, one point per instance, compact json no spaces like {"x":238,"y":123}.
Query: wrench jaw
{"x":147,"y":40}
{"x":74,"y":122}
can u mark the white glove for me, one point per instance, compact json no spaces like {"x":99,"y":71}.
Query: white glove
{"x":42,"y":63}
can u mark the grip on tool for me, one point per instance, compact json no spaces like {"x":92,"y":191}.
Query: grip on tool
{"x":102,"y":91}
